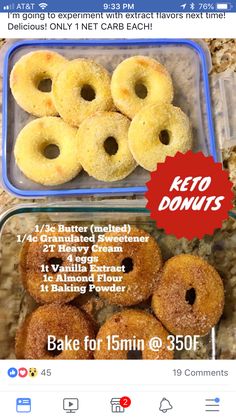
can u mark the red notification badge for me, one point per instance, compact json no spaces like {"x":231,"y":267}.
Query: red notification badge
{"x":125,"y":402}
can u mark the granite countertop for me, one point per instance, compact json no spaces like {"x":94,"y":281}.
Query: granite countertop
{"x":219,"y":249}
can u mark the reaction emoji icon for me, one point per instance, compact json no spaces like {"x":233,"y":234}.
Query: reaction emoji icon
{"x":33,"y":372}
{"x":22,"y":372}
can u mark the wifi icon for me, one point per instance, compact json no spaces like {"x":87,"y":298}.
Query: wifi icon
{"x":43,"y":5}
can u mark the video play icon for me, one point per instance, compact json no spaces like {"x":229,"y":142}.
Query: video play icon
{"x":70,"y":405}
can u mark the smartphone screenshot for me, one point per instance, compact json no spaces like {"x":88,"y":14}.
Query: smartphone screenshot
{"x":117,"y":209}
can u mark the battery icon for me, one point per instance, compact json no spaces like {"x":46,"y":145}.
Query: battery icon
{"x":224,"y":6}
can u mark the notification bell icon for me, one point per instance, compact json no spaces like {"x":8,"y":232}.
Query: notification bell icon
{"x":165,"y":405}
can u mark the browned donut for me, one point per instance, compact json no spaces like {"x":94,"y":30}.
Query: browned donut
{"x":134,"y":325}
{"x":33,"y":256}
{"x":189,"y":298}
{"x":141,"y":261}
{"x":55,"y":320}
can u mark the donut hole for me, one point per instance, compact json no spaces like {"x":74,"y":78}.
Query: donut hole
{"x":128,"y":264}
{"x":88,"y":93}
{"x":54,"y":353}
{"x":51,"y":151}
{"x":190,"y":296}
{"x":56,"y":262}
{"x":45,"y":85}
{"x":134,"y":354}
{"x":164,"y":137}
{"x":141,"y":90}
{"x":110,"y":146}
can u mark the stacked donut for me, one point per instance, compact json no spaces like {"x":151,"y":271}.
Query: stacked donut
{"x":187,"y":298}
{"x":105,"y":124}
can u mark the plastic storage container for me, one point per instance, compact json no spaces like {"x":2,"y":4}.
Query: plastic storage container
{"x":223,"y":87}
{"x":187,"y":64}
{"x":15,"y":302}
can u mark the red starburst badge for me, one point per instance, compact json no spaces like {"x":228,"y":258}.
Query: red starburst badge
{"x":189,"y":195}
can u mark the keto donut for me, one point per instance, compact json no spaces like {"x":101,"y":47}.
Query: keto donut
{"x":103,"y":146}
{"x":46,"y":151}
{"x":158,"y":131}
{"x":38,"y":253}
{"x":189,"y":298}
{"x":27,"y":78}
{"x":139,"y":81}
{"x":80,"y":89}
{"x":135,"y":326}
{"x":134,"y":269}
{"x":61,"y":323}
